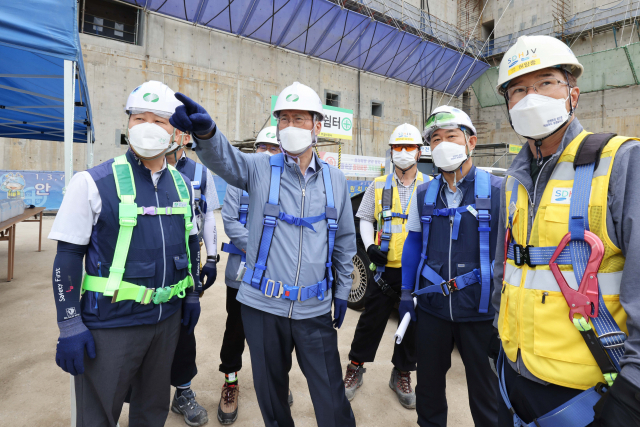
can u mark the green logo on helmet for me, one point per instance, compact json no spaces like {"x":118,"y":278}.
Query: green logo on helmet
{"x":346,"y":124}
{"x":150,"y":97}
{"x":292,"y":97}
{"x":271,"y":135}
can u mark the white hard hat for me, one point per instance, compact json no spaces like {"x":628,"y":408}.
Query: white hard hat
{"x":267,"y":136}
{"x":299,"y":97}
{"x":406,"y":134}
{"x":447,"y":117}
{"x":154,"y":97}
{"x":533,"y":53}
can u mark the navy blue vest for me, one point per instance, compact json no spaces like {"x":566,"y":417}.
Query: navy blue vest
{"x":462,"y":305}
{"x":157,"y":256}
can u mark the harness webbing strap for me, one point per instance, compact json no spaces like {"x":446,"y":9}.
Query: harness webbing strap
{"x":387,"y":217}
{"x":577,"y":412}
{"x":425,"y":218}
{"x":271,"y":213}
{"x":243,"y":210}
{"x":140,"y":294}
{"x":128,"y":218}
{"x":483,"y":206}
{"x":612,"y":338}
{"x":183,"y":193}
{"x":331,"y":215}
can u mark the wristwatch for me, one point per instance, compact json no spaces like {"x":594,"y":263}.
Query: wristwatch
{"x":214,"y":258}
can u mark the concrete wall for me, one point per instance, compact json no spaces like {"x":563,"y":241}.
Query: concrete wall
{"x":231,"y":77}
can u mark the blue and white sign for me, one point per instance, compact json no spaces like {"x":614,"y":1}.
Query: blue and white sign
{"x":38,"y":188}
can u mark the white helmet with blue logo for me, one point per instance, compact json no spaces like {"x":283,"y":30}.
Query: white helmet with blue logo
{"x":154,"y":97}
{"x":533,"y":53}
{"x":406,"y":134}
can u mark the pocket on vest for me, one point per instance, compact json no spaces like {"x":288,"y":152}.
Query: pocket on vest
{"x":554,"y":226}
{"x":468,"y":299}
{"x":181,"y":263}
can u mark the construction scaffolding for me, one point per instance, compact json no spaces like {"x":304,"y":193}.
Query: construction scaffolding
{"x":621,"y":16}
{"x":468,"y":16}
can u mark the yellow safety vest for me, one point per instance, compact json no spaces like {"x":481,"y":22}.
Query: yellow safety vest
{"x":534,"y":315}
{"x":398,"y":225}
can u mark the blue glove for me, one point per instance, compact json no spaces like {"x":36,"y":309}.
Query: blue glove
{"x":208,"y":274}
{"x":406,"y":305}
{"x":191,"y":117}
{"x":74,"y":338}
{"x":190,"y":311}
{"x":339,"y":311}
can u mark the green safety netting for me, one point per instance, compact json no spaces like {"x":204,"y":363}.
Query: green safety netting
{"x":607,"y":69}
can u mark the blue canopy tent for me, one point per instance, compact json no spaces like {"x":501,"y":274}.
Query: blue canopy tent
{"x":410,"y":46}
{"x":43,"y":87}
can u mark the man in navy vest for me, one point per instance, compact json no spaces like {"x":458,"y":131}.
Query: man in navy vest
{"x":184,"y":368}
{"x":234,"y":217}
{"x":302,"y":230}
{"x":130,"y":220}
{"x":446,"y":265}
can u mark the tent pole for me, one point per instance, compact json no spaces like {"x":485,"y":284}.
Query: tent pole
{"x":69,"y":102}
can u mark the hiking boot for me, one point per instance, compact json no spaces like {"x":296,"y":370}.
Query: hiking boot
{"x":228,"y":407}
{"x":185,"y":404}
{"x":290,"y":398}
{"x":400,"y":382}
{"x":353,"y":380}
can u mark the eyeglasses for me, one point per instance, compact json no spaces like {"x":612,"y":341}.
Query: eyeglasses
{"x":409,"y":148}
{"x":297,"y":121}
{"x":271,"y":148}
{"x":547,"y":86}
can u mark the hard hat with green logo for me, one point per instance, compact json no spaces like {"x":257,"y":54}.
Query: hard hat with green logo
{"x":267,"y":136}
{"x":299,"y":97}
{"x":447,"y":117}
{"x":406,"y":134}
{"x":154,"y":97}
{"x":533,"y":53}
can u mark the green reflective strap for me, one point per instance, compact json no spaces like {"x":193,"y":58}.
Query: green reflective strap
{"x":166,"y":211}
{"x":581,"y":324}
{"x":130,"y":292}
{"x":127,"y":216}
{"x":610,"y":378}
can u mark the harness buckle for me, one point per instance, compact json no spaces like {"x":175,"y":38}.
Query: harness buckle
{"x":144,"y":301}
{"x":269,"y":222}
{"x":484,"y":217}
{"x":388,"y":214}
{"x":425,"y":219}
{"x":449,"y":286}
{"x":612,"y":334}
{"x":273,"y":288}
{"x":332,"y":227}
{"x":169,"y":210}
{"x":521,"y":252}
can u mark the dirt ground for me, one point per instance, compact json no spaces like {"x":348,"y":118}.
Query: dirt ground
{"x":35,"y":392}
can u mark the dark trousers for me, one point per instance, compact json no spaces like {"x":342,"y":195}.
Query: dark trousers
{"x":530,"y":399}
{"x":271,"y":340}
{"x":233,"y":340}
{"x":435,"y":341}
{"x":372,"y":322}
{"x":136,"y":357}
{"x":183,"y":368}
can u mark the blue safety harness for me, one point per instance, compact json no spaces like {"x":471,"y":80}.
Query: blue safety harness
{"x":198,"y":196}
{"x":577,"y":412}
{"x":482,"y":193}
{"x":243,"y":210}
{"x":277,"y":289}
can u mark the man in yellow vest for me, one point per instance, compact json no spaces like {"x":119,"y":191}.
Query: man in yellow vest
{"x":387,"y":202}
{"x":568,"y":302}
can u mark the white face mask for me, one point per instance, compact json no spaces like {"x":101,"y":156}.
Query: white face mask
{"x":538,"y":116}
{"x":404,"y":159}
{"x":295,"y":140}
{"x":149,"y":140}
{"x":449,"y":156}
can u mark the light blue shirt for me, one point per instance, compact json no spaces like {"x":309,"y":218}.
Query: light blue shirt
{"x":453,"y":199}
{"x":310,"y":170}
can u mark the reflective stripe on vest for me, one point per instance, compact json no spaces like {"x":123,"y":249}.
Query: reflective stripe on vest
{"x":391,"y":219}
{"x":128,"y":212}
{"x":534,"y":315}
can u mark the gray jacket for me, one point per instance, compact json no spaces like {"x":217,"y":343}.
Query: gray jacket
{"x":236,"y":232}
{"x":298,"y":255}
{"x":623,"y":217}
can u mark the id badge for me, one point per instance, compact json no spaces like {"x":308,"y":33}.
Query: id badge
{"x":241,"y":270}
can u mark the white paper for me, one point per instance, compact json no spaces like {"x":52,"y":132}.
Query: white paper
{"x":404,"y":324}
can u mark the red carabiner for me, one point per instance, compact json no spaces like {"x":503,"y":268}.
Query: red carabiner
{"x":584,"y":301}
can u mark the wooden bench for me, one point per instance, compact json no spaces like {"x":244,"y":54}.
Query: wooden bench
{"x":8,"y":233}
